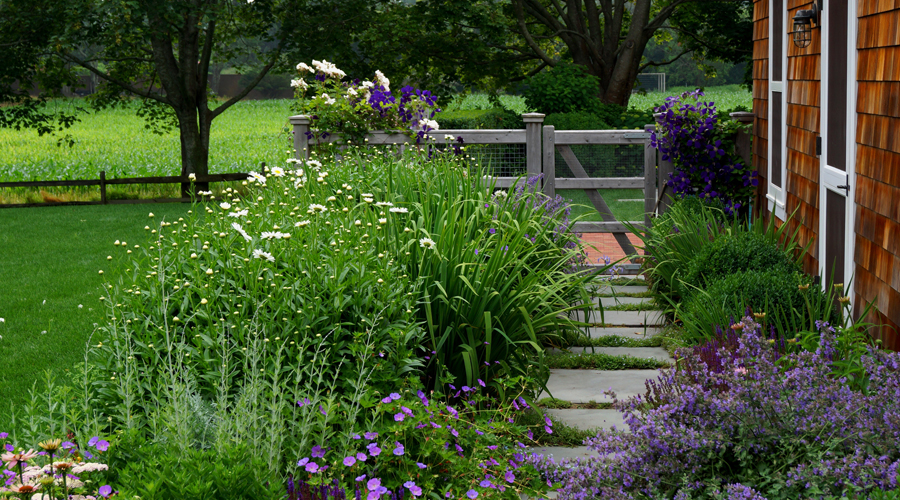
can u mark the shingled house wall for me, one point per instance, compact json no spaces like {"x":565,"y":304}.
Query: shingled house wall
{"x":876,"y":273}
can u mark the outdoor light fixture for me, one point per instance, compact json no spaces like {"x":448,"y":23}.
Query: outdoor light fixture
{"x":803,"y":21}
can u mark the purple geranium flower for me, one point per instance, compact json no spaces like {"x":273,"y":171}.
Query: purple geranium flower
{"x":399,"y":450}
{"x":472,"y":494}
{"x":105,"y":491}
{"x":349,"y":461}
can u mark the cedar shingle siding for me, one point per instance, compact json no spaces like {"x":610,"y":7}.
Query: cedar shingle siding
{"x":877,"y":187}
{"x":877,"y":256}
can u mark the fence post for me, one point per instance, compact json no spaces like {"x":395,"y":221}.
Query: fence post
{"x":650,"y":181}
{"x":301,"y":141}
{"x":742,"y":141}
{"x":103,"y":187}
{"x":549,"y":163}
{"x":533,"y":122}
{"x":666,"y":168}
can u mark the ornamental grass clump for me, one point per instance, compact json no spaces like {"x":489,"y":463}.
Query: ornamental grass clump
{"x":756,"y":422}
{"x":701,"y":145}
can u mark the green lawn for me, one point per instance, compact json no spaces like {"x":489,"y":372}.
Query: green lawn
{"x":50,"y":285}
{"x":616,"y":199}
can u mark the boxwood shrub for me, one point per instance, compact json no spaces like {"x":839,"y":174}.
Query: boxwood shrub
{"x":742,"y":251}
{"x":777,"y":292}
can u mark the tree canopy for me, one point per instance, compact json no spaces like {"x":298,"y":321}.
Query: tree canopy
{"x":160,"y":51}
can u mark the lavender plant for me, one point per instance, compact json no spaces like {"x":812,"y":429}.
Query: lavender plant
{"x":701,"y":145}
{"x":354,"y":108}
{"x":750,"y":422}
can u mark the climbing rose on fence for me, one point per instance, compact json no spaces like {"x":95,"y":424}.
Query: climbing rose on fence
{"x":690,"y":134}
{"x":353,"y":108}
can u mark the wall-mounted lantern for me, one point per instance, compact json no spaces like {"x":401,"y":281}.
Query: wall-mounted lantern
{"x":803,"y":21}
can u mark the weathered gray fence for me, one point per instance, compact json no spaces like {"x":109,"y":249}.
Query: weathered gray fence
{"x":541,"y":144}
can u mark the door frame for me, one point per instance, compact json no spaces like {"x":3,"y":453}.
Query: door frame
{"x":830,"y":177}
{"x":775,"y":195}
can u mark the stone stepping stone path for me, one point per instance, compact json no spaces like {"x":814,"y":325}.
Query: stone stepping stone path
{"x":586,"y":386}
{"x":630,"y":332}
{"x":586,"y":419}
{"x":621,"y":301}
{"x":620,"y":318}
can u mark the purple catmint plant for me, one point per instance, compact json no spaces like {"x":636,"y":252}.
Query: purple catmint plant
{"x":749,"y":422}
{"x":690,"y":134}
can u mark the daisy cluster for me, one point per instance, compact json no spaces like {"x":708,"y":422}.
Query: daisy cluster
{"x":353,"y":108}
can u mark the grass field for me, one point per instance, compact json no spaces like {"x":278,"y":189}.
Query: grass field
{"x":51,"y":285}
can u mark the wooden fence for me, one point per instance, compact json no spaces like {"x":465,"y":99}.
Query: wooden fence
{"x":541,"y":142}
{"x":103,"y":182}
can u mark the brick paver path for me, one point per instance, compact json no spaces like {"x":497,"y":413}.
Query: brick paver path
{"x":605,"y":244}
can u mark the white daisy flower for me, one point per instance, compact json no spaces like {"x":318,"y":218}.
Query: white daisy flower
{"x":237,"y":227}
{"x":382,"y":221}
{"x":384,"y":204}
{"x":426,"y":243}
{"x":192,"y":176}
{"x":301,"y":223}
{"x":314,"y":164}
{"x":366,"y":195}
{"x":259,"y":254}
{"x":204,"y":193}
{"x":316,"y":208}
{"x":299,"y":172}
{"x":255,"y":177}
{"x":241,"y":213}
{"x":268,"y":235}
{"x":225,"y":205}
{"x":398,"y":210}
{"x":368,"y":200}
{"x":278,"y":171}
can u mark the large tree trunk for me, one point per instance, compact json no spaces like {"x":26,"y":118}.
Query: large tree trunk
{"x":597,"y":37}
{"x":194,"y":149}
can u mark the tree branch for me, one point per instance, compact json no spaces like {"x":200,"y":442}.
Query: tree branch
{"x":663,"y":63}
{"x":121,"y":83}
{"x":243,"y":93}
{"x":520,"y":19}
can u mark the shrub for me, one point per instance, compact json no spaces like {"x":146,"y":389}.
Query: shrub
{"x":674,"y":239}
{"x":788,"y":308}
{"x":576,"y":120}
{"x":481,"y":119}
{"x":562,"y":89}
{"x":741,"y":251}
{"x":760,"y":425}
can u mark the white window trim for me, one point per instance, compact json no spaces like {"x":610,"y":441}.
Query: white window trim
{"x":775,"y":196}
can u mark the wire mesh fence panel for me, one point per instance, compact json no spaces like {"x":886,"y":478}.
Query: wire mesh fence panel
{"x":605,"y":160}
{"x":497,"y":160}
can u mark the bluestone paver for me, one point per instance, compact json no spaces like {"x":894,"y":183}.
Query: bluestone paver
{"x":618,"y":290}
{"x":584,"y":386}
{"x":585,"y":419}
{"x":630,"y":332}
{"x":616,"y":318}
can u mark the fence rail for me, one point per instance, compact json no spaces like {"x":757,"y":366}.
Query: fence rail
{"x":102,"y":182}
